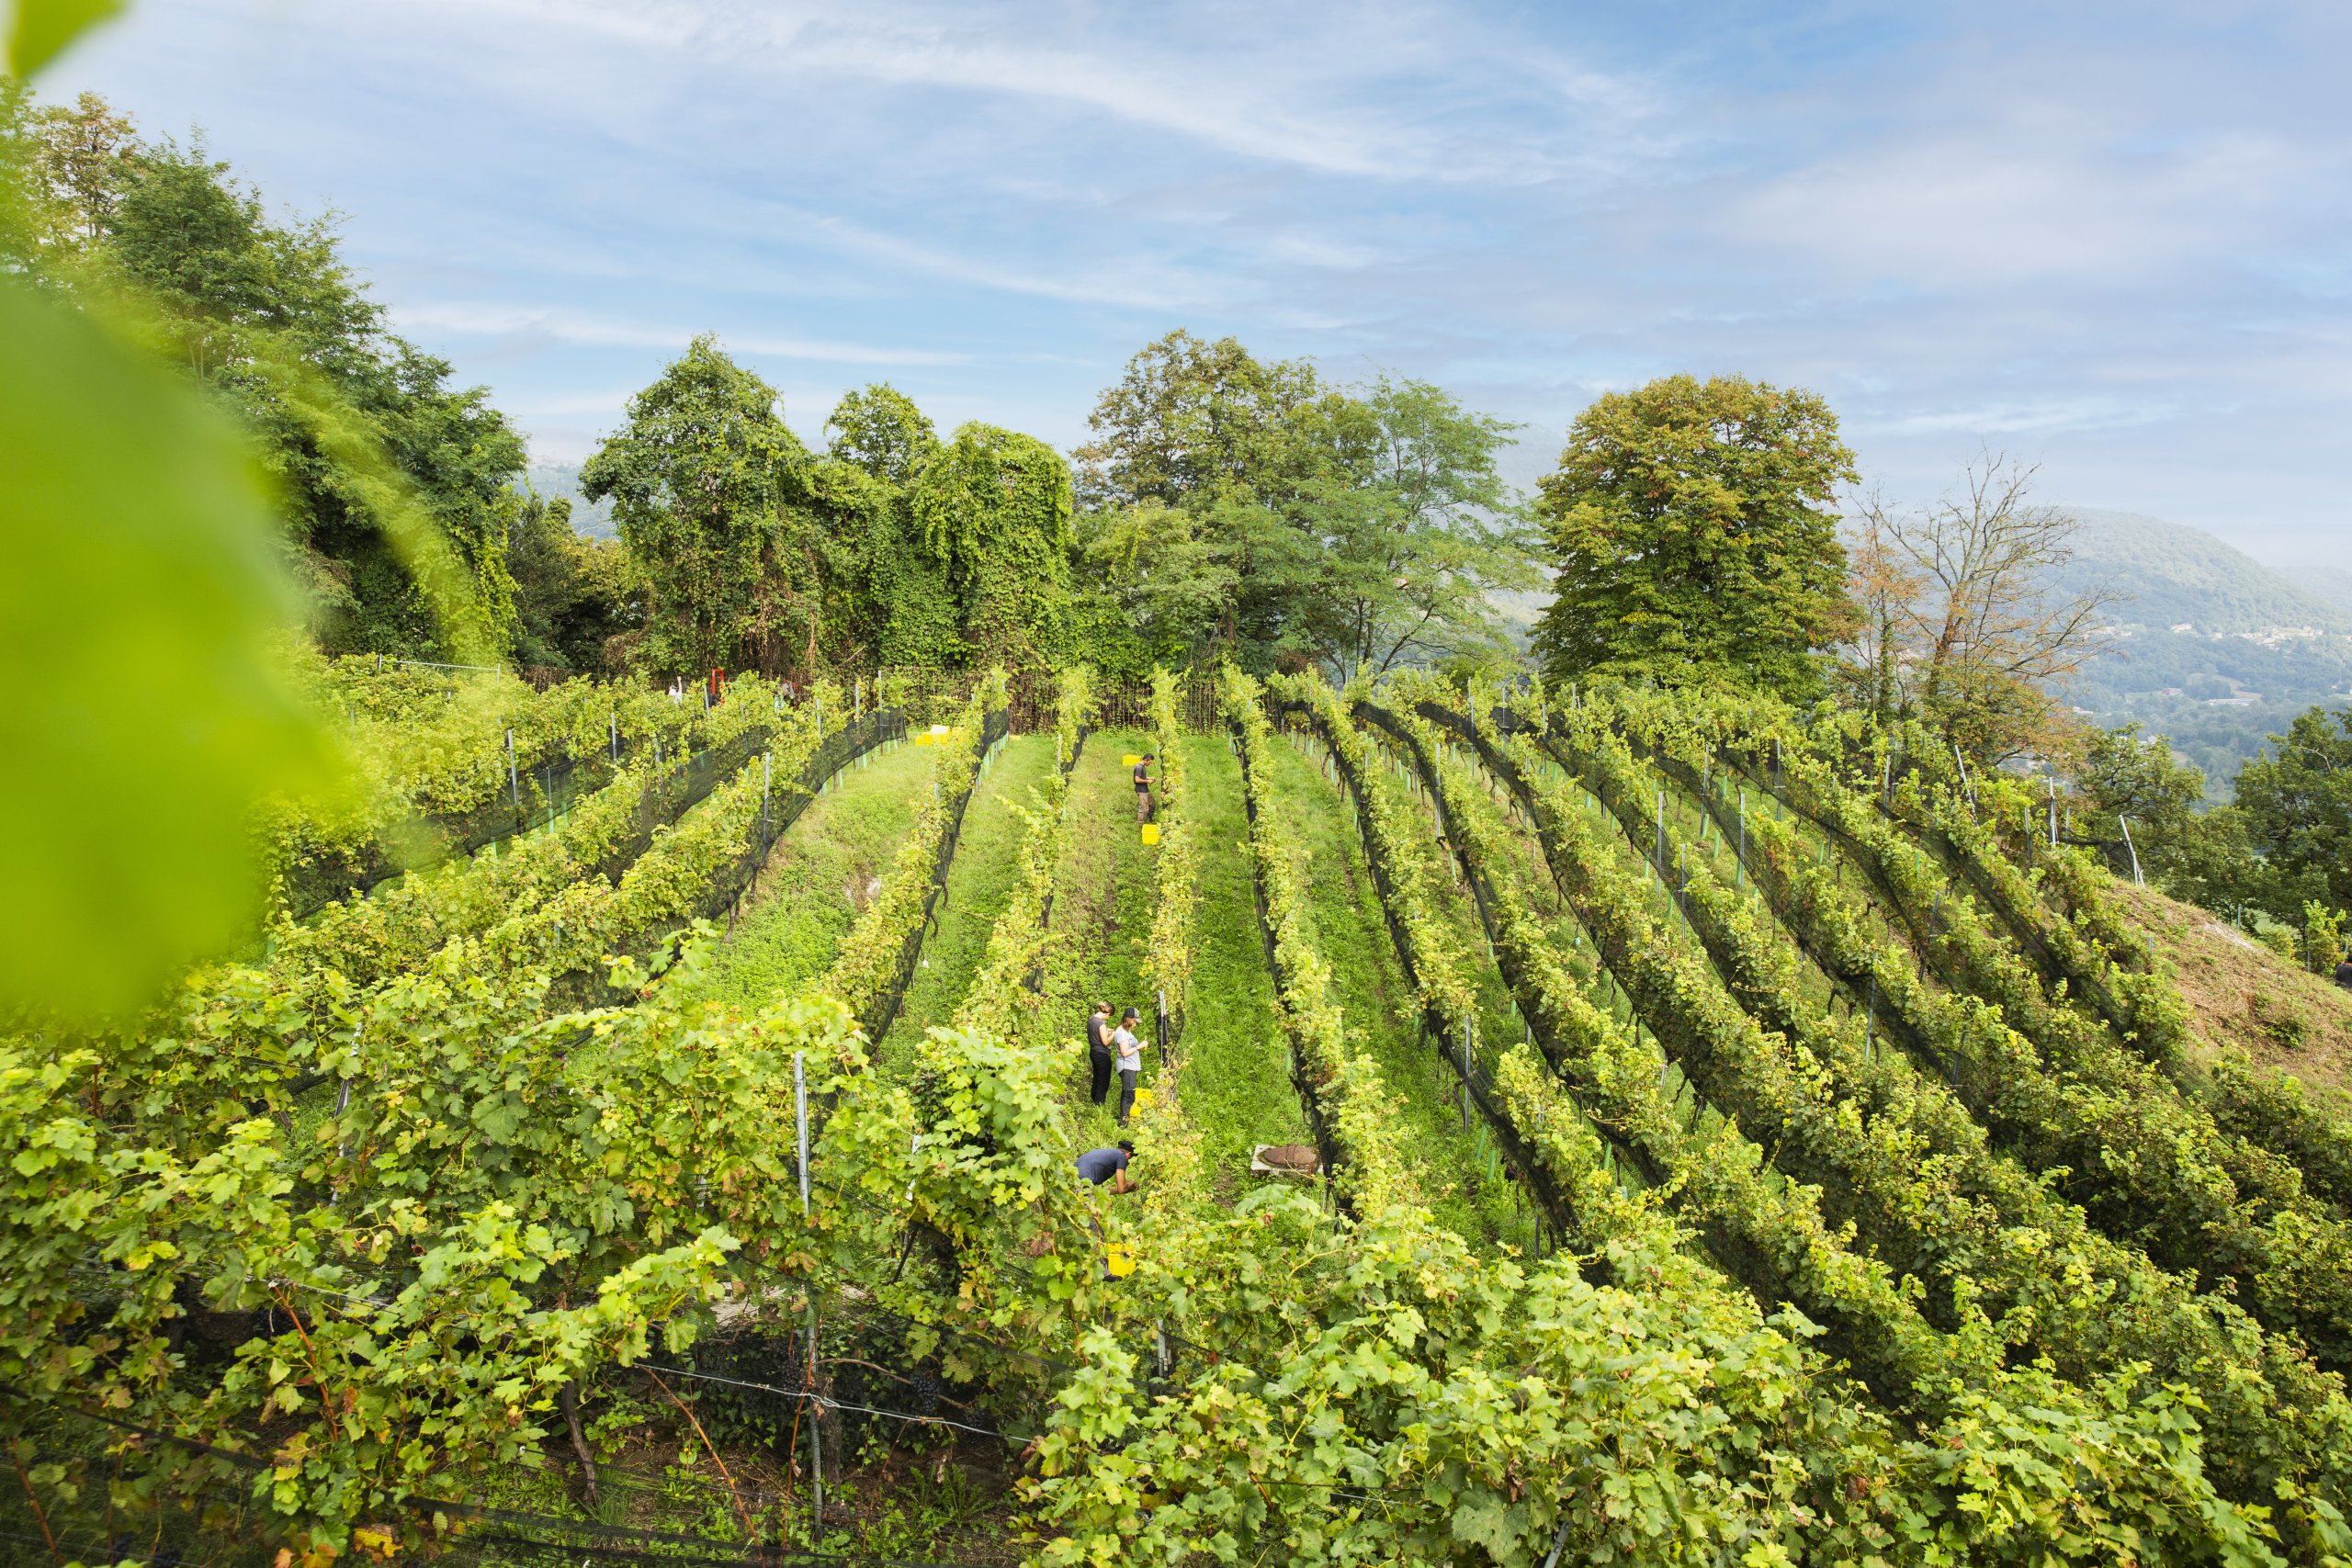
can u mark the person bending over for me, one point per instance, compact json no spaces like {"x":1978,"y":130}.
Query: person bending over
{"x":1099,"y":1166}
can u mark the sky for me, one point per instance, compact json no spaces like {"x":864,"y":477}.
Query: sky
{"x":2109,"y":239}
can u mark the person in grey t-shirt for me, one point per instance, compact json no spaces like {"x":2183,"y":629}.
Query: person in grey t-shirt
{"x":1130,"y":1049}
{"x":1099,"y":1166}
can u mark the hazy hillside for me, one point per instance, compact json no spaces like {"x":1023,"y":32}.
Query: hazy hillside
{"x":2333,"y":583}
{"x":2176,"y":573}
{"x":2216,"y":650}
{"x":562,"y":480}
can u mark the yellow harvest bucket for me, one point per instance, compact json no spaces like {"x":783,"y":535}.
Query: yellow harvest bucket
{"x":1132,"y":758}
{"x":1151,"y":832}
{"x":1118,"y":1260}
{"x":1143,"y":1098}
{"x":922,"y":739}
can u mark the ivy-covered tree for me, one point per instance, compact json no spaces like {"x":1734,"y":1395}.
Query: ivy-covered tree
{"x":995,"y":508}
{"x":1691,"y":527}
{"x":703,"y":481}
{"x":891,"y":604}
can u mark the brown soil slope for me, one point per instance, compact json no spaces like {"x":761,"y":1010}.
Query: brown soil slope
{"x":2243,"y":995}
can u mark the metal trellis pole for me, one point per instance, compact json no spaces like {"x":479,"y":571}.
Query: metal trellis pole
{"x":800,"y":1118}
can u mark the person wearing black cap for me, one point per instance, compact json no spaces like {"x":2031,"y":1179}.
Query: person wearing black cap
{"x":1099,"y":1166}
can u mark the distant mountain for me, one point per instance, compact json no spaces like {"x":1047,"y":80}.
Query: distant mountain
{"x":2213,"y":648}
{"x":2333,"y":583}
{"x":2177,"y":574}
{"x":554,"y":481}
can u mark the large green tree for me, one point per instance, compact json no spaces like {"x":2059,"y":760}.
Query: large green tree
{"x":1249,"y":507}
{"x":703,"y":481}
{"x":1423,"y":533}
{"x":1691,"y":527}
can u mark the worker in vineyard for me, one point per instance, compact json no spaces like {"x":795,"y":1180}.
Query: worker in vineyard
{"x":1099,"y":1166}
{"x":1143,"y":786}
{"x":1130,"y":1060}
{"x":1098,"y":1049}
{"x":2343,"y":970}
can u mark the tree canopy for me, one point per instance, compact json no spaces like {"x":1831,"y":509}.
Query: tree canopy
{"x":1692,"y":532}
{"x":2298,"y":807}
{"x":1253,"y":509}
{"x":703,"y":479}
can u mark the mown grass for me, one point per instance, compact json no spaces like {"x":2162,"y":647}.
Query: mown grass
{"x":1236,"y":1087}
{"x":1102,"y":901}
{"x":1456,"y":1171}
{"x":817,"y":879}
{"x":979,"y":881}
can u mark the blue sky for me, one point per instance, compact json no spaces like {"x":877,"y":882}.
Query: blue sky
{"x":2110,"y":238}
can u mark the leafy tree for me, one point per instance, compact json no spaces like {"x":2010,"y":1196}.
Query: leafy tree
{"x":1163,"y":582}
{"x":1690,"y":525}
{"x":1189,"y":418}
{"x":880,"y":429}
{"x":701,"y":479}
{"x":2297,"y":808}
{"x":1425,"y":535}
{"x":2121,"y":775}
{"x":1249,"y":506}
{"x":1244,"y":448}
{"x":573,"y":596}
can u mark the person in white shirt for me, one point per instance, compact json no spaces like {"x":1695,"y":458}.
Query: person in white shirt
{"x":1130,"y":1051}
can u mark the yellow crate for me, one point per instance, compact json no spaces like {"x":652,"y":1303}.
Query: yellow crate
{"x":1132,"y":758}
{"x":1151,"y":832}
{"x":1118,"y":1260}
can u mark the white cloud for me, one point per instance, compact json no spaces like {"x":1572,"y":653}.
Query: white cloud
{"x":2014,"y":191}
{"x":470,"y":319}
{"x":1312,"y":89}
{"x":2022,"y":418}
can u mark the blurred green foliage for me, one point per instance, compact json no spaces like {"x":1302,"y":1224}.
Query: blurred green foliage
{"x":396,"y":493}
{"x":149,"y":710}
{"x":40,"y":29}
